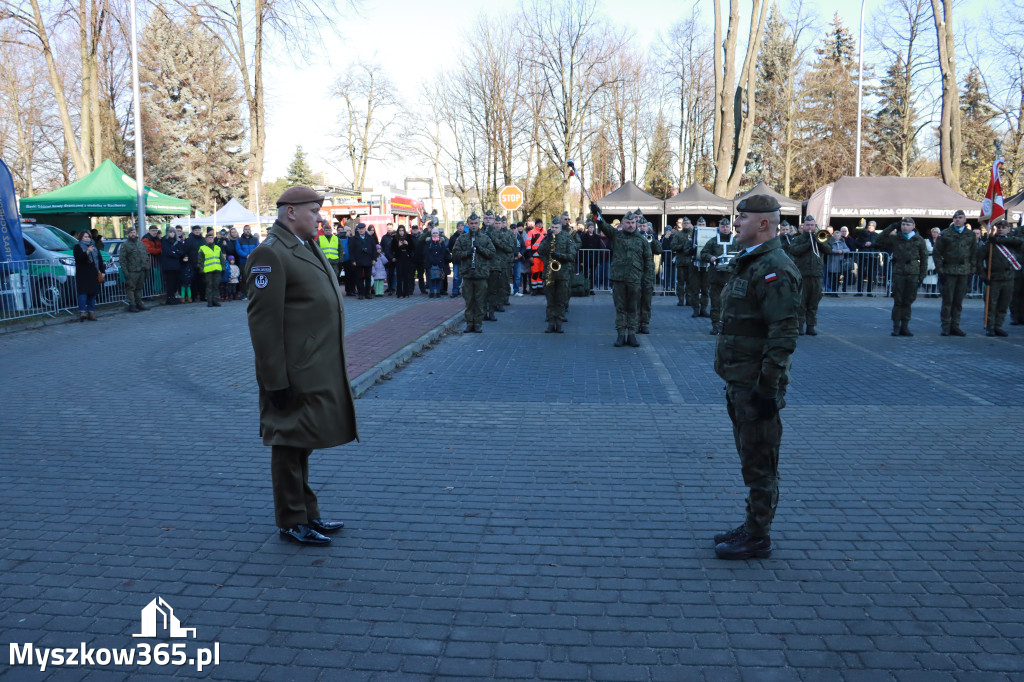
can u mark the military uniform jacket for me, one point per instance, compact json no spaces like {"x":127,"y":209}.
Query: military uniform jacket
{"x":564,"y":252}
{"x":909,"y":256}
{"x":631,"y":254}
{"x":1002,"y":269}
{"x":715,"y":248}
{"x":133,"y":256}
{"x":801,"y":251}
{"x":463,"y":254}
{"x":504,"y":246}
{"x":954,"y":252}
{"x":760,"y":304}
{"x":297,"y":324}
{"x":682,"y":243}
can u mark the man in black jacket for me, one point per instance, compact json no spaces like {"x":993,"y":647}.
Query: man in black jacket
{"x":192,"y":244}
{"x":389,"y":254}
{"x":362,"y":251}
{"x":419,"y":239}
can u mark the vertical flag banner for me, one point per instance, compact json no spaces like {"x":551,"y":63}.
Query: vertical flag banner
{"x":11,"y":246}
{"x":992,"y":207}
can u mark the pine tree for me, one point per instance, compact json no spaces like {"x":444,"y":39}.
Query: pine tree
{"x":978,"y":135}
{"x":658,"y":176}
{"x":193,"y":131}
{"x":766,"y":158}
{"x":892,"y":128}
{"x":299,"y":172}
{"x":828,"y":114}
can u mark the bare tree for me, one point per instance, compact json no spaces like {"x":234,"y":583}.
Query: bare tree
{"x":370,"y":111}
{"x":950,"y":137}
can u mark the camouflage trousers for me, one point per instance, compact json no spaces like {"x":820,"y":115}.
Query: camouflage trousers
{"x":557,"y":295}
{"x":810,"y":297}
{"x":1017,"y":302}
{"x":212,"y":280}
{"x":497,"y":287}
{"x":954,"y":288}
{"x":646,"y":300}
{"x":698,"y":288}
{"x":718,"y":280}
{"x":474,"y":291}
{"x":626,"y":297}
{"x":1000,"y":291}
{"x":757,"y":442}
{"x":904,"y":293}
{"x":133,"y":288}
{"x":682,"y":282}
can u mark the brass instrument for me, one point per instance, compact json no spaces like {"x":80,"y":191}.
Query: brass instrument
{"x":553,"y":264}
{"x":822,"y":236}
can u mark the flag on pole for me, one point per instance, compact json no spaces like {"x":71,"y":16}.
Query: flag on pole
{"x":12,"y":249}
{"x":992,"y":207}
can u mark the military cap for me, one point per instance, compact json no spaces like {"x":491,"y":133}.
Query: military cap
{"x":759,"y":203}
{"x":700,"y":221}
{"x":1000,"y":223}
{"x":489,"y":212}
{"x":639,"y":212}
{"x":959,"y":212}
{"x":299,"y":195}
{"x":628,"y":216}
{"x":473,"y":216}
{"x":907,"y":219}
{"x":556,"y":222}
{"x":785,"y":223}
{"x":809,"y":218}
{"x":724,"y":221}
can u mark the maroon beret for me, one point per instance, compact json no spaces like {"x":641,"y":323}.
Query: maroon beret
{"x":299,"y":195}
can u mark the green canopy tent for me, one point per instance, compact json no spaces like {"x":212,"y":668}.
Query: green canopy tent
{"x":107,"y":191}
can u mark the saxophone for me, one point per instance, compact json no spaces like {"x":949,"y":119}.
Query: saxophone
{"x":553,"y":265}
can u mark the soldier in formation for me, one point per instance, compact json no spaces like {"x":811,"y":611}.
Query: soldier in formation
{"x":647,"y":289}
{"x":497,"y":281}
{"x":760,"y":308}
{"x":559,"y":253}
{"x":998,"y":265}
{"x":954,"y":260}
{"x":631,"y":259}
{"x":134,"y":264}
{"x":807,"y":251}
{"x":909,"y":267}
{"x":698,"y":284}
{"x":473,"y":252}
{"x":717,"y":253}
{"x":681,"y":245}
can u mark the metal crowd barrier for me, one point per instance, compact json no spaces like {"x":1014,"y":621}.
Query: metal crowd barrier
{"x":32,"y":288}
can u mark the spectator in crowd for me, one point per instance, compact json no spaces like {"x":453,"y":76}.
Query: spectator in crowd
{"x":172,"y":250}
{"x":349,"y":264}
{"x":518,"y":251}
{"x":134,"y":264}
{"x":404,"y":250}
{"x":331,"y":246}
{"x":419,"y":242}
{"x":196,"y":280}
{"x":379,"y":272}
{"x":97,"y":238}
{"x":89,"y":269}
{"x":870,"y":262}
{"x":246,"y":243}
{"x":389,"y":266}
{"x":363,"y":252}
{"x":460,"y":227}
{"x":840,"y":262}
{"x":151,"y":240}
{"x":212,"y":268}
{"x":436,"y":257}
{"x":233,"y":273}
{"x":931,"y":280}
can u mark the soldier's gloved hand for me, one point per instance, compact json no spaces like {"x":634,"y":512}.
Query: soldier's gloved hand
{"x":280,"y":398}
{"x":764,"y":406}
{"x":594,"y":210}
{"x":985,"y":281}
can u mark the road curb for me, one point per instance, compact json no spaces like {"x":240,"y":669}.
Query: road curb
{"x":368,"y":379}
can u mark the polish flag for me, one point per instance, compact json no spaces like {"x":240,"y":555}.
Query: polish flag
{"x":992,"y":206}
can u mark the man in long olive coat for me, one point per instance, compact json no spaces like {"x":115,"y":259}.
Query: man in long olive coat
{"x":297,"y":326}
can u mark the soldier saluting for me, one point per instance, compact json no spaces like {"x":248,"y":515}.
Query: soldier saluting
{"x":631,"y":259}
{"x":297,"y":325}
{"x":760,"y":305}
{"x":909,"y":267}
{"x":473,"y":251}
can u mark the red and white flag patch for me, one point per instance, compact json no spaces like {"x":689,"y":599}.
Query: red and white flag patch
{"x":771,"y":277}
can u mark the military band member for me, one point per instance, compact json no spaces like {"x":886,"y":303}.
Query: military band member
{"x":809,"y":255}
{"x":631,"y":257}
{"x":953,"y":256}
{"x":473,"y":252}
{"x":681,"y":245}
{"x":297,"y":325}
{"x":557,"y":247}
{"x":698,"y":283}
{"x":909,"y":267}
{"x":647,"y":290}
{"x":497,"y":281}
{"x":723,"y":244}
{"x":760,"y":307}
{"x":1002,"y":255}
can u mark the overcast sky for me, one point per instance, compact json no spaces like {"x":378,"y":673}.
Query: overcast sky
{"x":300,"y":110}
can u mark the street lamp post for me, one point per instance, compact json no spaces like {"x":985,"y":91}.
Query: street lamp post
{"x":140,"y":186}
{"x":860,"y":88}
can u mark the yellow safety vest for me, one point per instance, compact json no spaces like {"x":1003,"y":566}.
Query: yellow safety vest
{"x":329,"y":245}
{"x":210,"y":257}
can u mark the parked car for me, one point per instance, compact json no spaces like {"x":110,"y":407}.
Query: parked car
{"x":51,"y":266}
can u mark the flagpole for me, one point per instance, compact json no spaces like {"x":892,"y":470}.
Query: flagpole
{"x":860,"y":89}
{"x":140,"y":187}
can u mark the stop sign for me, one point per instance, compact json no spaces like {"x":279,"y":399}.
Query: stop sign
{"x":510,"y":198}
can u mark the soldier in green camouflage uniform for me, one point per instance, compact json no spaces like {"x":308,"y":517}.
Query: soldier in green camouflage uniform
{"x":909,"y":267}
{"x":697,"y":284}
{"x":501,"y":265}
{"x":760,"y":308}
{"x":493,"y":301}
{"x":808,"y":254}
{"x":134,"y":264}
{"x":681,"y":245}
{"x":1017,"y":301}
{"x":647,"y":290}
{"x":953,"y":256}
{"x":507,"y":259}
{"x":719,"y":273}
{"x":631,"y":257}
{"x":473,"y":252}
{"x":1003,"y":255}
{"x":557,"y":245}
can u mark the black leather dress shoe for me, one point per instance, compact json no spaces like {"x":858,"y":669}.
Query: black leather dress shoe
{"x":744,"y":546}
{"x":304,"y":535}
{"x":326,"y":527}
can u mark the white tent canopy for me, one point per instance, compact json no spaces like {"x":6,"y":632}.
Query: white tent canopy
{"x":231,"y":213}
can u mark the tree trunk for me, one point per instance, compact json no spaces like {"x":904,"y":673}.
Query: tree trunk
{"x":950,"y":141}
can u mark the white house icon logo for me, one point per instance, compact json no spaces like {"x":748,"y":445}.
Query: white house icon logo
{"x":171,"y":624}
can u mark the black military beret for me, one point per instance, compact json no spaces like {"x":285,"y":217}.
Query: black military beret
{"x":759,"y":203}
{"x":958,"y":212}
{"x":299,"y":195}
{"x":907,"y":219}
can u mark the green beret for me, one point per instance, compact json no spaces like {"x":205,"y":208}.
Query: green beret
{"x":759,"y":203}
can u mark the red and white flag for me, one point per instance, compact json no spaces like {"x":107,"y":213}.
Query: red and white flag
{"x":992,"y":207}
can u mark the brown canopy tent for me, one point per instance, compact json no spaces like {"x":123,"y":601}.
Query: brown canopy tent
{"x":886,"y":199}
{"x":1014,"y":207}
{"x":694,"y":202}
{"x":630,"y":197}
{"x":790,"y":207}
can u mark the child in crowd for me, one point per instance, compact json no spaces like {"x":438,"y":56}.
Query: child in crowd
{"x":379,"y":272}
{"x":233,"y":275}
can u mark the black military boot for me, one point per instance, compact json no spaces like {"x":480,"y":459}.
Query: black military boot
{"x":550,"y":329}
{"x":696,"y":313}
{"x":478,"y":329}
{"x":132,"y":309}
{"x":704,"y":313}
{"x":468,"y":329}
{"x":895,"y":329}
{"x":730,"y":535}
{"x":632,"y":341}
{"x":715,"y":331}
{"x":1000,"y":332}
{"x":957,"y":331}
{"x":988,"y":330}
{"x":620,"y":341}
{"x":499,"y":308}
{"x":744,"y":546}
{"x":490,"y":317}
{"x":904,"y":329}
{"x":810,"y":330}
{"x":558,"y":328}
{"x":643,"y":329}
{"x":801,"y":330}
